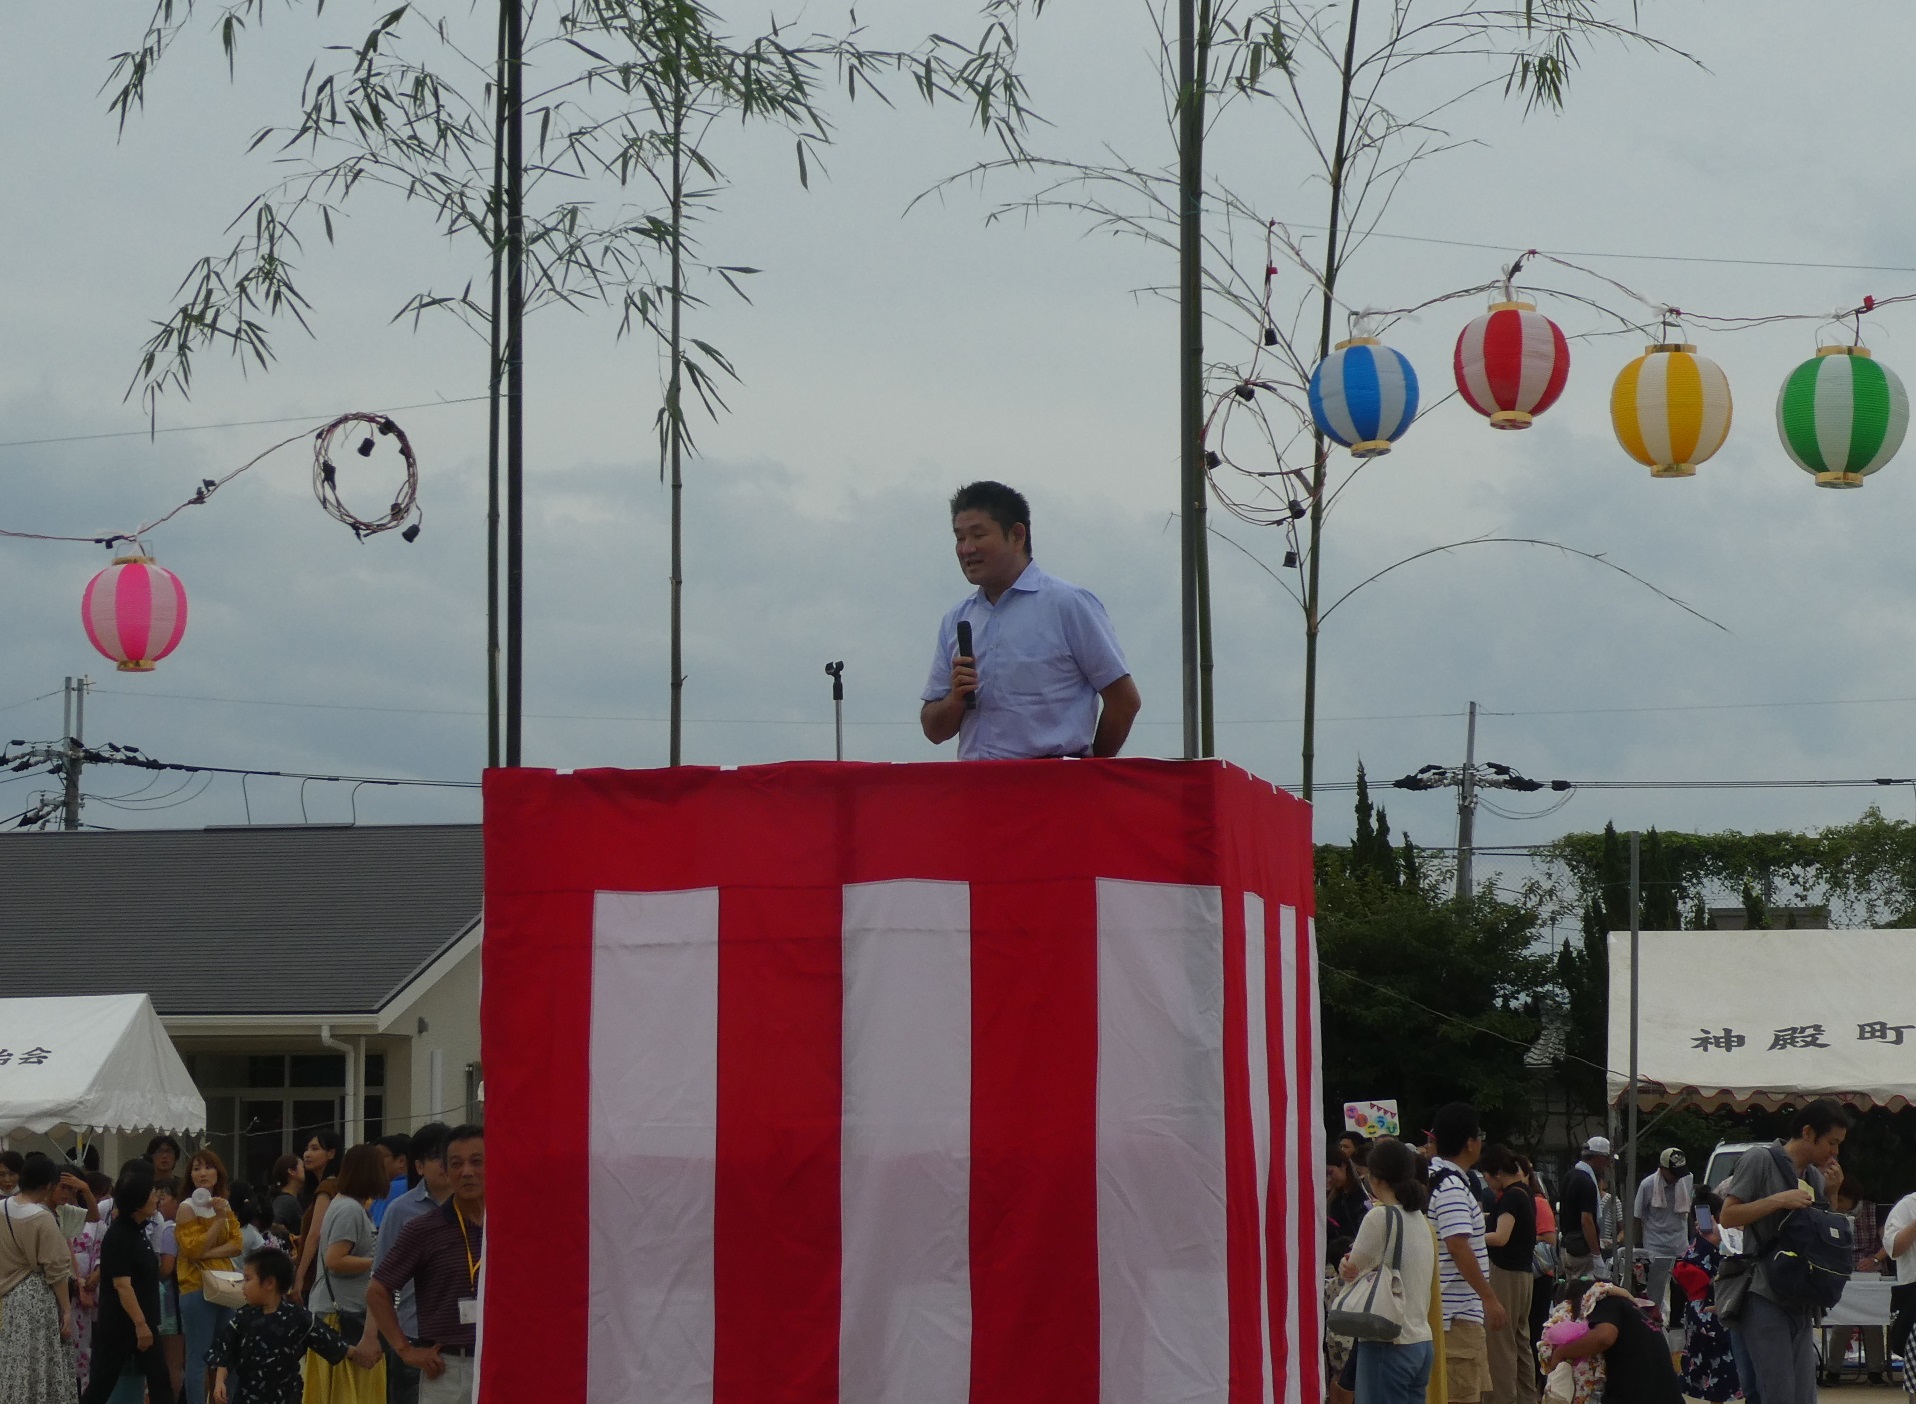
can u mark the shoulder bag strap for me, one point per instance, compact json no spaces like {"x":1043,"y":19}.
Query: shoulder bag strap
{"x":1397,"y":1257}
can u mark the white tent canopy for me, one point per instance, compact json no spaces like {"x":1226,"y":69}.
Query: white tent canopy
{"x":1761,"y":1018}
{"x":92,"y":1062}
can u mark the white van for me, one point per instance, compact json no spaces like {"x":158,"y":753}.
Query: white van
{"x":1723,"y":1161}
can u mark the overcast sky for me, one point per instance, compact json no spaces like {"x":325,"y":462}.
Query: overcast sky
{"x":890,"y":355}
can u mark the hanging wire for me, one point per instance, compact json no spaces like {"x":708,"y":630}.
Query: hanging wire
{"x":405,"y":503}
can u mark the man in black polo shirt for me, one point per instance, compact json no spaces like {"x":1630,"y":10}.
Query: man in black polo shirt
{"x":439,"y":1254}
{"x":1577,"y":1211}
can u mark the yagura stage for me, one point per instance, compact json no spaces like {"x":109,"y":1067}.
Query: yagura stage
{"x":901,"y":1084}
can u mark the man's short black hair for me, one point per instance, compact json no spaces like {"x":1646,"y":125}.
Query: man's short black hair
{"x":39,"y":1172}
{"x":1453,"y":1127}
{"x":469,"y":1131}
{"x":134,"y":1187}
{"x":153,"y":1147}
{"x":272,"y":1265}
{"x":1004,"y":505}
{"x":429,"y":1142}
{"x":1822,"y":1116}
{"x":399,"y":1144}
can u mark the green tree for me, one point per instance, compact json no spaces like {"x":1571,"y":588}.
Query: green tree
{"x":1425,"y":999}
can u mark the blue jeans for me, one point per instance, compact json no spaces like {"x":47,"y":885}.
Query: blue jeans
{"x":200,"y":1320}
{"x":1393,"y":1374}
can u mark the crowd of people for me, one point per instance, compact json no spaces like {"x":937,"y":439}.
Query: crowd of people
{"x":1508,"y":1294}
{"x":351,"y":1277}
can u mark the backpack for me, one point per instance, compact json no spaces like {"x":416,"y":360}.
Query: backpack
{"x":1809,"y":1263}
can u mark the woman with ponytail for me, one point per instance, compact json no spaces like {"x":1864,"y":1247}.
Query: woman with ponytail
{"x":1397,"y":1371}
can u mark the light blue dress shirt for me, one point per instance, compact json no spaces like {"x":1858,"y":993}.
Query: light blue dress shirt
{"x":399,"y":1213}
{"x":1045,"y":651}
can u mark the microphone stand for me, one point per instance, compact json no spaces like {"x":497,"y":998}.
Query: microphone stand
{"x":836,"y":672}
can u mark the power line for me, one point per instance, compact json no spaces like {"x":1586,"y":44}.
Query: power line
{"x":130,"y":755}
{"x":628,"y":717}
{"x":230,"y":424}
{"x":1507,"y":249}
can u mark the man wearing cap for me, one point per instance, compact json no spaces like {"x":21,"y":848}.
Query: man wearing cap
{"x":1663,"y":1220}
{"x":1578,"y":1236}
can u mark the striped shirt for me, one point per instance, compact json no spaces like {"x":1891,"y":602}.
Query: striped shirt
{"x":1457,"y":1212}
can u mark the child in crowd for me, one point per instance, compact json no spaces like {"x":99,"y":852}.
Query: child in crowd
{"x":258,"y":1354}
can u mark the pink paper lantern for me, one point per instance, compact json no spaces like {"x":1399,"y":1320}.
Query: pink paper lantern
{"x":134,"y":612}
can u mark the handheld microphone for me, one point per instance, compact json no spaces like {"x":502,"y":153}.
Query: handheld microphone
{"x":964,"y":651}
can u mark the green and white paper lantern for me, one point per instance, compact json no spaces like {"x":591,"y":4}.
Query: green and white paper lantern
{"x":1841,"y":415}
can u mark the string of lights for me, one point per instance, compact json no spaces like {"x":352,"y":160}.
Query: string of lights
{"x":404,"y":508}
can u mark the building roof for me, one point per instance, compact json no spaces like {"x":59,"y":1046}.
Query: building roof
{"x":305,"y":919}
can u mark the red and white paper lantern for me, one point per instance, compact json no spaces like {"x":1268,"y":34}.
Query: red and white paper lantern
{"x":134,"y":612}
{"x":1511,"y":364}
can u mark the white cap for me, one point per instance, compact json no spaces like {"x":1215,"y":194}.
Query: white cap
{"x":1597,"y":1145}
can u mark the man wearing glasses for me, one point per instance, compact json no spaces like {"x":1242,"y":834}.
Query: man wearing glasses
{"x":1471,"y":1307}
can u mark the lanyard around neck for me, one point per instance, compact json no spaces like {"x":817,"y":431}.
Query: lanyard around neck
{"x":472,"y":1263}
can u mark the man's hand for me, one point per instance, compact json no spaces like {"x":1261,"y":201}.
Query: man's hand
{"x":942,"y":719}
{"x":143,"y":1336}
{"x":425,"y":1359}
{"x":1495,"y":1317}
{"x":1793,"y":1199}
{"x":964,"y":679}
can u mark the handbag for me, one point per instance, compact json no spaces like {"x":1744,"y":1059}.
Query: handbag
{"x":1544,"y":1260}
{"x":1371,"y":1307}
{"x":221,"y":1288}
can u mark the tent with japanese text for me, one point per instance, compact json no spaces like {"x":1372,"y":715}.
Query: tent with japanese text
{"x":1762,"y":1018}
{"x":92,"y":1063}
{"x":913,"y":1084}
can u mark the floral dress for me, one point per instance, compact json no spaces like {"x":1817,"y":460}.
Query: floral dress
{"x":86,"y":1261}
{"x":1709,"y":1368}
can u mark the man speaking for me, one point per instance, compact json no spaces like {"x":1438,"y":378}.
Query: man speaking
{"x":1042,"y":653}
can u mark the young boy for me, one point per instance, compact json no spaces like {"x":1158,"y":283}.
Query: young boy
{"x":260,"y":1351}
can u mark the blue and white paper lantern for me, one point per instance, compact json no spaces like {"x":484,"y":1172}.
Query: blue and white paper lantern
{"x":1364,"y":396}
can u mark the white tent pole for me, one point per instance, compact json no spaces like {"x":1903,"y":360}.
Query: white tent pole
{"x":1627,"y":1255}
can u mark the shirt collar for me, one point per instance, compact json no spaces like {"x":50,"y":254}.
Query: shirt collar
{"x":449,"y":1211}
{"x":1029,"y":580}
{"x":1437,"y":1162}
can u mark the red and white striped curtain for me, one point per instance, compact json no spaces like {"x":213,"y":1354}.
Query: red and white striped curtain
{"x":928,"y":1084}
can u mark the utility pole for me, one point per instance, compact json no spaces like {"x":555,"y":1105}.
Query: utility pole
{"x":1627,"y":1191}
{"x":73,"y":747}
{"x":1467,"y":780}
{"x":1467,"y":809}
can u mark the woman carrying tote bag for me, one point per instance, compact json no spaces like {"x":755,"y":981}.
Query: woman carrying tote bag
{"x":1394,"y":1235}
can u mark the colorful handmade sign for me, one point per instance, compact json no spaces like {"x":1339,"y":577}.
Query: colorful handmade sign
{"x":901,"y":1083}
{"x":1364,"y":396}
{"x":1511,"y":364}
{"x":1671,"y":409}
{"x":1842,"y":415}
{"x":1373,"y":1119}
{"x":134,"y":612}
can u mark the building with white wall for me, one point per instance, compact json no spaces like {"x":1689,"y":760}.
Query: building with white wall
{"x":310,"y":975}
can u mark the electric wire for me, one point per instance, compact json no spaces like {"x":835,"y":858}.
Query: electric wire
{"x":230,"y":424}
